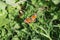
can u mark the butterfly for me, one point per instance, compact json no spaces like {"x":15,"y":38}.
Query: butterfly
{"x":31,"y":19}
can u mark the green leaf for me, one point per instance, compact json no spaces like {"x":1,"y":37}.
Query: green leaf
{"x":12,"y":10}
{"x":10,"y":2}
{"x":56,"y":1}
{"x":15,"y":38}
{"x":36,"y":39}
{"x":33,"y":1}
{"x":16,"y":26}
{"x":3,"y":32}
{"x":3,"y":14}
{"x":2,"y":5}
{"x":3,"y":22}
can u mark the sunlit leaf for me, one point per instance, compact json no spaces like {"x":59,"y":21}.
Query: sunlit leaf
{"x":2,"y":5}
{"x":56,"y":1}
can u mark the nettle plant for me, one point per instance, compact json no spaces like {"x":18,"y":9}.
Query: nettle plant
{"x":29,"y":19}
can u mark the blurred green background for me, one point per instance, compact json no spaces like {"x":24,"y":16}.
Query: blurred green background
{"x":46,"y":26}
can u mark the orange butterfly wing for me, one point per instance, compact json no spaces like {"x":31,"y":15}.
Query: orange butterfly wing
{"x":27,"y":20}
{"x":33,"y":17}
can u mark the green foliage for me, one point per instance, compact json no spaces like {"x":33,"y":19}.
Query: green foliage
{"x":46,"y":26}
{"x":56,"y":1}
{"x":2,"y":5}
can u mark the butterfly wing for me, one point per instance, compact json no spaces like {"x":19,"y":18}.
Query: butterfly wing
{"x":27,"y":20}
{"x":33,"y":17}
